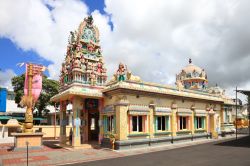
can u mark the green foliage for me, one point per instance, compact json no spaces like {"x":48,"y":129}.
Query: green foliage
{"x":49,"y":89}
{"x":18,"y":86}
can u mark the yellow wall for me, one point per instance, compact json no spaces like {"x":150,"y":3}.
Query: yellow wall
{"x":158,"y":101}
{"x":50,"y":130}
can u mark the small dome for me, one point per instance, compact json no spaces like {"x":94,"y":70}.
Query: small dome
{"x":192,"y":77}
{"x":12,"y":122}
{"x":216,"y":90}
{"x":190,"y":68}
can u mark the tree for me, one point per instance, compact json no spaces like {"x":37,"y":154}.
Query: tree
{"x":49,"y":89}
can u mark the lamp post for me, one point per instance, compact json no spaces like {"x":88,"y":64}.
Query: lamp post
{"x":27,"y":151}
{"x":236,"y":133}
{"x":55,"y":123}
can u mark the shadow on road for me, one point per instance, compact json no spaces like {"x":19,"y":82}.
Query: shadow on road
{"x":240,"y":142}
{"x":53,"y":144}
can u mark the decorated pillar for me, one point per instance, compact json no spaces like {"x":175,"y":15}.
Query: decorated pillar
{"x":151,"y":120}
{"x":76,"y":137}
{"x":121,"y":109}
{"x":174,"y":119}
{"x":84,"y":118}
{"x":63,"y":123}
{"x":212,"y":125}
{"x":221,"y":116}
{"x":192,"y":127}
{"x":208,"y":127}
{"x":101,"y":132}
{"x":212,"y":122}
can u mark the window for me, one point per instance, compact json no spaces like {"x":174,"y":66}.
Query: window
{"x":188,"y":75}
{"x":227,"y":116}
{"x":199,"y":122}
{"x":183,"y":122}
{"x":161,"y":123}
{"x":137,"y":124}
{"x":110,"y":121}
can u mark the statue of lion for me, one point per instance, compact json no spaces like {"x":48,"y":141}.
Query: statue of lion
{"x":131,"y":77}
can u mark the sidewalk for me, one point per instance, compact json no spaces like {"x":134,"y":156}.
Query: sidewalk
{"x":53,"y":155}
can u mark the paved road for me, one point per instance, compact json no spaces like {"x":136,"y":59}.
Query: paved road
{"x":228,"y":153}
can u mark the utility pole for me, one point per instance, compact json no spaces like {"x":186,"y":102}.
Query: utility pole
{"x":236,"y":114}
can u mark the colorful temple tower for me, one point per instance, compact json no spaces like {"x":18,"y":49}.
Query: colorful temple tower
{"x":84,"y":62}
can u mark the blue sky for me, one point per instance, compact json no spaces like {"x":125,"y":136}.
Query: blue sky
{"x":13,"y":54}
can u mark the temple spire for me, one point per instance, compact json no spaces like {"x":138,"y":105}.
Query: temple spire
{"x":190,"y":60}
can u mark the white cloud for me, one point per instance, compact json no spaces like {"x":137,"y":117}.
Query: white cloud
{"x":32,"y":26}
{"x":5,"y":78}
{"x":155,"y":38}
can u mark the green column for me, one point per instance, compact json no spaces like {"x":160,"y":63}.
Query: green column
{"x":167,"y":121}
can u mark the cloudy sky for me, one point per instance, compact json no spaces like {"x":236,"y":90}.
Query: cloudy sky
{"x":155,"y":38}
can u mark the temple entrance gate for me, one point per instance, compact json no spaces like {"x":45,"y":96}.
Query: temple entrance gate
{"x":92,"y":109}
{"x":93,"y":126}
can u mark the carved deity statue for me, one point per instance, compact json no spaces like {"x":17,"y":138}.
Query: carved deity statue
{"x":90,"y":47}
{"x":99,"y":67}
{"x":92,"y":78}
{"x":83,"y":63}
{"x":77,"y":63}
{"x":182,"y":75}
{"x":121,"y":72}
{"x":203,"y":74}
{"x":179,"y":85}
{"x":68,"y":59}
{"x":72,"y":37}
{"x":78,"y":47}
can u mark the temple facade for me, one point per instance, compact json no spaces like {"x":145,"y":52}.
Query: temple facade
{"x":128,"y":110}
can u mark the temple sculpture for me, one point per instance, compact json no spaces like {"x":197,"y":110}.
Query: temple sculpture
{"x":192,"y":77}
{"x":83,"y":60}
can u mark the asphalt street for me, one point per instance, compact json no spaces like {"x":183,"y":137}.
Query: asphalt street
{"x":220,"y":153}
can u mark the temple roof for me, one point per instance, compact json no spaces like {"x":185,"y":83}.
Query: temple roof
{"x":86,"y":91}
{"x":161,"y":89}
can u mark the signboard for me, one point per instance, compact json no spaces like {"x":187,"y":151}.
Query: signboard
{"x":3,"y":98}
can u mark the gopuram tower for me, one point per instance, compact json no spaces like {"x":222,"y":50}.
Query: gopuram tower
{"x":83,"y":62}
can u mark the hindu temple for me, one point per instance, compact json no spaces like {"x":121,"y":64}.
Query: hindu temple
{"x":128,"y":110}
